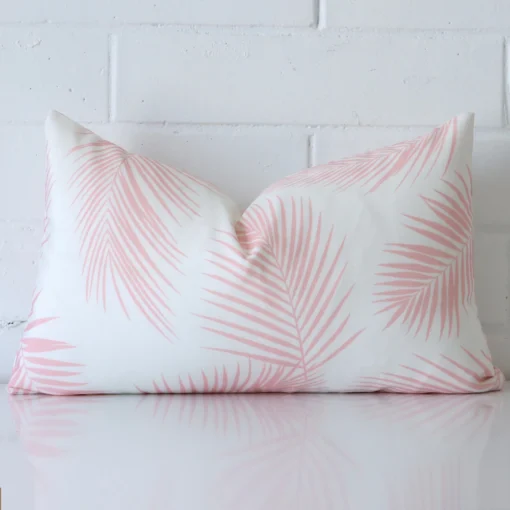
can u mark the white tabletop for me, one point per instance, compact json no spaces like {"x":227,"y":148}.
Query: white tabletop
{"x":309,"y":452}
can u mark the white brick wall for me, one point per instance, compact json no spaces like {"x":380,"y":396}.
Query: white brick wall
{"x":432,"y":14}
{"x":292,"y":13}
{"x":65,"y":66}
{"x":307,"y":78}
{"x":243,"y":92}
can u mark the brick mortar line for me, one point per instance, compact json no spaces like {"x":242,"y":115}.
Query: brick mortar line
{"x":507,"y":284}
{"x":240,"y":125}
{"x":112,"y":77}
{"x":312,"y":150}
{"x":6,"y":325}
{"x":321,"y":14}
{"x":258,"y":29}
{"x":505,"y":84}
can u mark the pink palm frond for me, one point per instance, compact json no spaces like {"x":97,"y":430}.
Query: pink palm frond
{"x":127,"y":205}
{"x":262,"y":378}
{"x":433,"y":279}
{"x":35,"y":371}
{"x":405,"y":160}
{"x":281,"y":302}
{"x":476,"y":374}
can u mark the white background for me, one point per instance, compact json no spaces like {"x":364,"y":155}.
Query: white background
{"x":243,"y":92}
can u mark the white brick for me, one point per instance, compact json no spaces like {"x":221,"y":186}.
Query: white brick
{"x":53,"y":68}
{"x":418,"y":13}
{"x":499,"y":346}
{"x":206,"y":12}
{"x":335,"y":144}
{"x":492,"y":277}
{"x":308,"y":78}
{"x":491,"y":163}
{"x":241,"y":165}
{"x":19,"y":254}
{"x":9,"y":344}
{"x":22,"y":172}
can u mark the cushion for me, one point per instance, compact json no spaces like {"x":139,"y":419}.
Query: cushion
{"x":351,"y":276}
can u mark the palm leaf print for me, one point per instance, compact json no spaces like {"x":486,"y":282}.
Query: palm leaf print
{"x":36,"y":371}
{"x":127,"y":206}
{"x":406,"y":160}
{"x":433,"y":278}
{"x":279,"y":300}
{"x":264,"y":378}
{"x":475,"y":374}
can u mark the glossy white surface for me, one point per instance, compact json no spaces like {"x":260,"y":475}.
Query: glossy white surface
{"x":309,"y":452}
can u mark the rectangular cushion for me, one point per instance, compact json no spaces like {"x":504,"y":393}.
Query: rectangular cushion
{"x":351,"y":276}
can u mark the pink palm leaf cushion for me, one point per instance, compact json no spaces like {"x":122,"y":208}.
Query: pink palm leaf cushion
{"x":351,"y":276}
